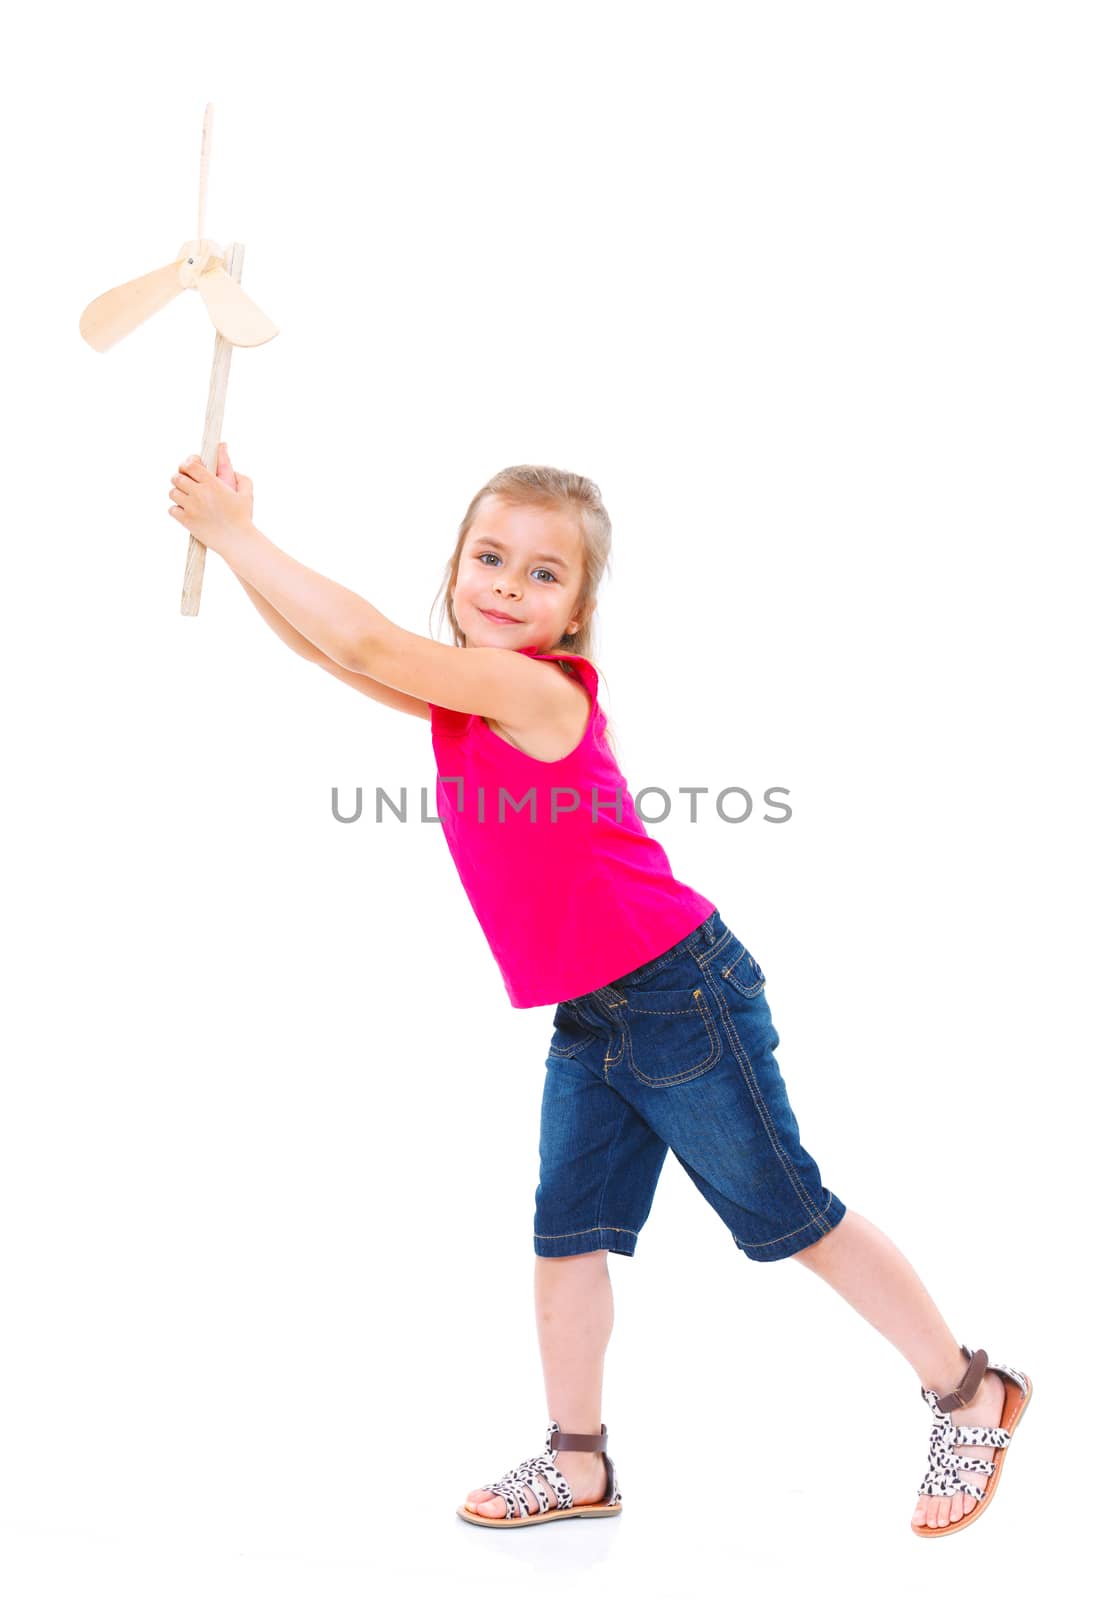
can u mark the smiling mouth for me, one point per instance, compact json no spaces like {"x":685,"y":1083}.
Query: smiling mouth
{"x":498,"y":616}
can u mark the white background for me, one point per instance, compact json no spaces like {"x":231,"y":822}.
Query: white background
{"x":821,"y":296}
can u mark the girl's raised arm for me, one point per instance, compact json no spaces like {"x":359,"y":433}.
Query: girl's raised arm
{"x":490,"y":682}
{"x":485,"y":680}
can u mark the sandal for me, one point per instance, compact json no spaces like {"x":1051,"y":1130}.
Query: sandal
{"x":539,"y":1472}
{"x":942,"y":1478}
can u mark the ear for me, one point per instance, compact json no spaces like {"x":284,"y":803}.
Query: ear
{"x":579,"y":619}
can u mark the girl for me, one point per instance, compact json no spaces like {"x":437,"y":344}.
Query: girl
{"x":663,"y":1037}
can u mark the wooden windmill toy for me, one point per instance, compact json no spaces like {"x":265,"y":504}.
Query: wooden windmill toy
{"x":200,"y":264}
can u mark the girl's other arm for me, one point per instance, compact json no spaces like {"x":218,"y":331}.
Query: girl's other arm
{"x":309,"y":652}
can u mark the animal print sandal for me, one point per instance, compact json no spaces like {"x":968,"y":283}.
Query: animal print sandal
{"x":942,"y":1478}
{"x":538,"y":1473}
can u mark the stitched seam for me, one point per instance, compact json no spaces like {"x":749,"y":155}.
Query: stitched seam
{"x":601,"y":1227}
{"x":726,"y":970}
{"x":715,"y":949}
{"x":762,"y":1107}
{"x":601,"y":1010}
{"x":664,"y":1011}
{"x":761,"y":1244}
{"x":748,"y":993}
{"x":730,"y":972}
{"x":608,"y":1169}
{"x":690,"y":1072}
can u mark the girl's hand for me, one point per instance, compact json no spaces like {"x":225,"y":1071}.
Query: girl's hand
{"x":214,"y":507}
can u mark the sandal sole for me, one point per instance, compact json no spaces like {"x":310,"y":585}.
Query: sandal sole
{"x":1016,"y":1402}
{"x":598,"y":1510}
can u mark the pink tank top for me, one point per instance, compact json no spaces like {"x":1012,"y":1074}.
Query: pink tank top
{"x":568,"y":886}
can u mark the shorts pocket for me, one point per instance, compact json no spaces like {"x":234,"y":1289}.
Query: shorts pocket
{"x":670,"y":1035}
{"x":739,"y":967}
{"x":570,"y":1034}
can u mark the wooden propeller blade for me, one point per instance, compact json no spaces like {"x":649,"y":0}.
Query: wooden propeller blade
{"x":112,"y":315}
{"x":236,"y":318}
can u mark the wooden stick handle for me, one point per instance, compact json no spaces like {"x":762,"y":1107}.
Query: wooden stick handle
{"x":211,"y":438}
{"x":203,"y":184}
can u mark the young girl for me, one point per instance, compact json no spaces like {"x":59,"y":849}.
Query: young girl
{"x":663,"y":1037}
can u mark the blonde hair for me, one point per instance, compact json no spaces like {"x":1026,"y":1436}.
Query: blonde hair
{"x":553,"y":489}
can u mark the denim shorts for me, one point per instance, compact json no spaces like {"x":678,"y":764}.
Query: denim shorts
{"x":678,"y":1054}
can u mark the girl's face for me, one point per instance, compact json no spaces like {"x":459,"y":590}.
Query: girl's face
{"x":524,"y":562}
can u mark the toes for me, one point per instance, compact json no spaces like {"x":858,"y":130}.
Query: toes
{"x":933,"y":1511}
{"x":926,"y":1514}
{"x":936,"y":1511}
{"x":493,"y":1507}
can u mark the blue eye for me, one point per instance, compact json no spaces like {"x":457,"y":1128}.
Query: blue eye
{"x":484,"y":554}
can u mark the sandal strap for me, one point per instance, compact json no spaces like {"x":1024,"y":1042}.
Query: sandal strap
{"x":539,"y":1469}
{"x":539,"y":1485}
{"x":516,"y":1498}
{"x":970,"y":1383}
{"x":943,"y":1477}
{"x":979,"y":1364}
{"x":943,"y":1482}
{"x":1000,"y":1437}
{"x":556,"y":1440}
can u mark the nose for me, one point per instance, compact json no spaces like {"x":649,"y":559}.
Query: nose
{"x":504,"y":587}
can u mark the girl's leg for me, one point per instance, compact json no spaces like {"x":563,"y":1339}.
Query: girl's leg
{"x":574,"y":1314}
{"x":867,"y":1270}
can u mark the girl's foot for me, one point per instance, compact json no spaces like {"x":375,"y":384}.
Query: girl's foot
{"x":985,"y":1411}
{"x":583,"y":1470}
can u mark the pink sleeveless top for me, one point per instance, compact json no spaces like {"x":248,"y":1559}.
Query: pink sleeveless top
{"x":568,"y":886}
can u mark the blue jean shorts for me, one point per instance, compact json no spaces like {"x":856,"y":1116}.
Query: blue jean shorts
{"x":678,"y":1054}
